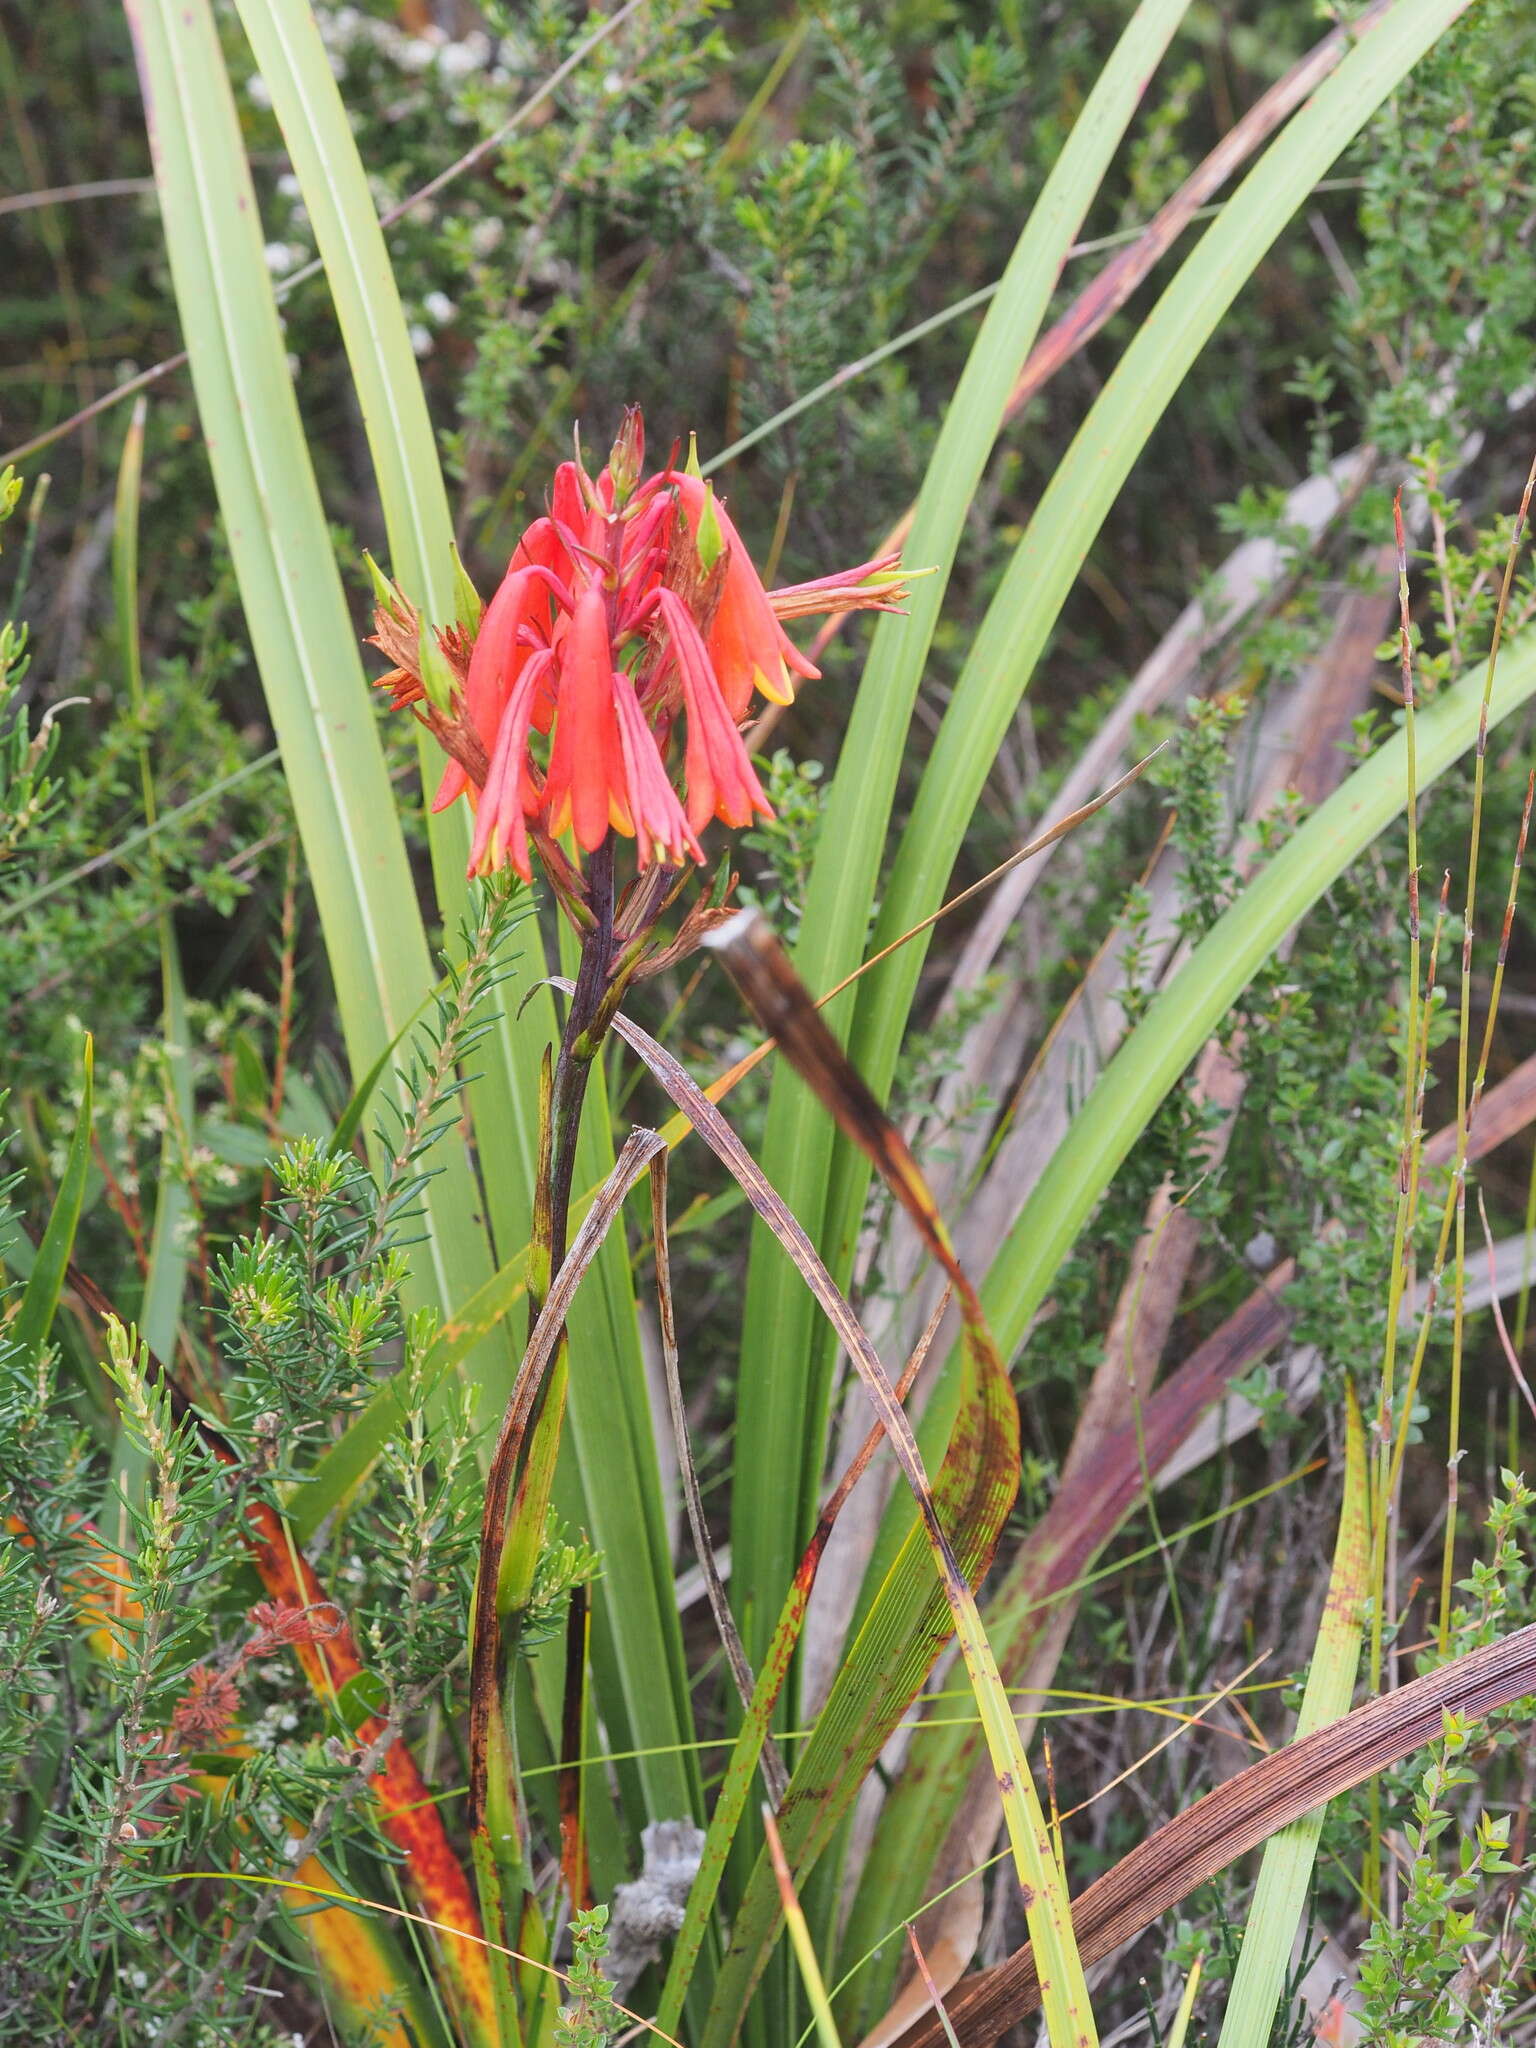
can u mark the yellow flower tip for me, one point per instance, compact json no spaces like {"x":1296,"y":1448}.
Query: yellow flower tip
{"x":779,"y":691}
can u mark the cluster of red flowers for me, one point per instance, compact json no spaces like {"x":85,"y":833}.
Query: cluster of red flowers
{"x":629,"y":608}
{"x":208,"y":1707}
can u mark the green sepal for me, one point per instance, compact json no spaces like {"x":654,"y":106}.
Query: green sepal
{"x":467,"y":606}
{"x":384,"y":592}
{"x":709,"y":539}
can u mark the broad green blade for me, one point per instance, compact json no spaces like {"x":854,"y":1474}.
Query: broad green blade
{"x":45,"y":1282}
{"x":881,"y":1674}
{"x":1044,"y":568}
{"x":1014,"y":632}
{"x":609,"y":1481}
{"x":786,"y":1362}
{"x":1285,"y":1874}
{"x":304,"y":642}
{"x":292,"y":59}
{"x":1128,"y":1093}
{"x":1186,"y":1011}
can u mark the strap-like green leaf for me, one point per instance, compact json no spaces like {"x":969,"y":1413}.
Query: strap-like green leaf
{"x":45,"y":1282}
{"x":304,"y":642}
{"x":1285,"y":1875}
{"x":1002,"y":660}
{"x":1128,"y":1093}
{"x":1003,"y":656}
{"x":786,"y":1363}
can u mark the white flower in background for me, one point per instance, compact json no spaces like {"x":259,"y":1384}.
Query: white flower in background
{"x":485,"y":235}
{"x":281,"y":257}
{"x":439,"y":308}
{"x":418,"y":53}
{"x":423,"y":341}
{"x":288,"y":186}
{"x":338,"y":26}
{"x":460,"y":59}
{"x":257,"y":90}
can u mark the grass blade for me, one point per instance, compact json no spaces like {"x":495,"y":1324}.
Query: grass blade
{"x":45,"y":1282}
{"x":1040,"y":1880}
{"x":786,"y":1364}
{"x":1280,"y":1896}
{"x":165,"y":1281}
{"x":304,"y":642}
{"x":800,"y":1939}
{"x":1018,"y":623}
{"x":1180,"y":2028}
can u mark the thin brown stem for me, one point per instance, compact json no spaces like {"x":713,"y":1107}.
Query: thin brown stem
{"x":775,"y":1776}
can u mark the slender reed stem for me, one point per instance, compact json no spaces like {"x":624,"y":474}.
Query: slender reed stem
{"x":1466,"y":1101}
{"x":1416,"y":1025}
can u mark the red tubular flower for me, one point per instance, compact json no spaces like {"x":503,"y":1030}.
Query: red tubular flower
{"x":587,"y":787}
{"x":662,"y":833}
{"x":875,"y":586}
{"x":510,"y":795}
{"x":721,"y":783}
{"x":629,"y":603}
{"x":540,"y":548}
{"x":747,"y":645}
{"x":499,"y":653}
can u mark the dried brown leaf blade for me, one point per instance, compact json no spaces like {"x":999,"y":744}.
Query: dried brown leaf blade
{"x":1241,"y":1814}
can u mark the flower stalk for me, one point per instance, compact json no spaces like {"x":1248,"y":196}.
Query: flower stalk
{"x":597,"y":698}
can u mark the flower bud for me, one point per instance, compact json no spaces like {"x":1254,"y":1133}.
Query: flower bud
{"x":466,"y":599}
{"x":437,"y":678}
{"x":627,"y":456}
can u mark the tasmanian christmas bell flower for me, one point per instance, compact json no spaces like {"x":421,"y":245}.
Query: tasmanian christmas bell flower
{"x":603,"y":688}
